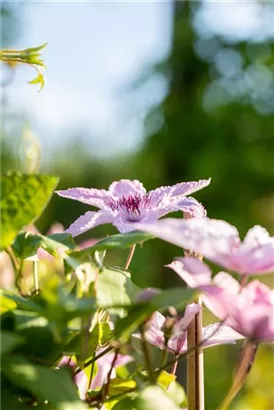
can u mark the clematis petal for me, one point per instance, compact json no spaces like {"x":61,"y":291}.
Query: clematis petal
{"x":187,"y":188}
{"x":95,"y":197}
{"x":257,"y":236}
{"x":181,"y":189}
{"x":218,"y":333}
{"x":126,"y":187}
{"x":191,"y":208}
{"x":88,"y":221}
{"x":194,"y":272}
{"x":210,"y":237}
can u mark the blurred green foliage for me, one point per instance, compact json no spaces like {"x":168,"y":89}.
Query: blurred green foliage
{"x":203,"y":128}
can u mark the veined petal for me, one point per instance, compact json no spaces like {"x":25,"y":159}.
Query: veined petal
{"x":210,"y":237}
{"x":218,"y":333}
{"x":194,"y":272}
{"x":126,"y":187}
{"x":257,"y":236}
{"x":90,"y":196}
{"x":187,"y":188}
{"x":191,"y":208}
{"x":88,"y":221}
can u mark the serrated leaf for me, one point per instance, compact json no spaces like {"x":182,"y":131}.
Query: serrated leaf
{"x":54,"y":385}
{"x":23,"y":199}
{"x":9,"y":341}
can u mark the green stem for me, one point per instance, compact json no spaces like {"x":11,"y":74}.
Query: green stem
{"x":147,"y":356}
{"x":164,"y":357}
{"x":105,"y":393}
{"x":94,"y":358}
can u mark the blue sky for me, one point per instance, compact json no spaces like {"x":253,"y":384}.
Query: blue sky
{"x":95,"y":50}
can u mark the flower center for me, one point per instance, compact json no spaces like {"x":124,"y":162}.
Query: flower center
{"x":131,"y":206}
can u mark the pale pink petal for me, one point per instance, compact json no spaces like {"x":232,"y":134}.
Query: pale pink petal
{"x":104,"y":365}
{"x":218,"y":333}
{"x":194,"y":272}
{"x":191,"y":208}
{"x":56,"y":227}
{"x":177,"y":340}
{"x":88,"y":221}
{"x":187,"y":188}
{"x":212,"y":238}
{"x":227,"y":282}
{"x":126,"y":187}
{"x":257,"y":236}
{"x":180,"y":189}
{"x":95,"y":197}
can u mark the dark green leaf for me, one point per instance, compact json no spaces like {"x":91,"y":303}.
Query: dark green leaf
{"x":23,"y":199}
{"x":9,"y":341}
{"x":9,"y":400}
{"x":54,"y":385}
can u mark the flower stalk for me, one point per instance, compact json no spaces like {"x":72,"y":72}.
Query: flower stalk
{"x":130,"y":256}
{"x":248,"y":356}
{"x":195,"y":364}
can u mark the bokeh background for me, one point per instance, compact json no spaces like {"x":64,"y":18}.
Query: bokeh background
{"x":162,"y":92}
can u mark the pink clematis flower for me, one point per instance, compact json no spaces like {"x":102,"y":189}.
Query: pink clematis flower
{"x":219,"y":242}
{"x":248,"y":310}
{"x":104,"y":364}
{"x":214,"y":334}
{"x":126,"y":202}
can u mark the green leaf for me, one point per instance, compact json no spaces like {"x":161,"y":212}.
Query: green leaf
{"x":12,"y":301}
{"x":6,"y":304}
{"x":114,"y":287}
{"x":151,"y":398}
{"x":54,"y":385}
{"x":173,"y":388}
{"x":177,"y":394}
{"x":119,"y":386}
{"x":39,"y":338}
{"x":23,"y":199}
{"x":154,"y":397}
{"x":119,"y":241}
{"x":64,"y":238}
{"x":26,"y":244}
{"x":9,"y":400}
{"x":96,"y":337}
{"x":9,"y":341}
{"x":165,"y":379}
{"x":138,"y":313}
